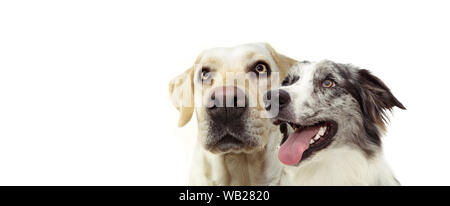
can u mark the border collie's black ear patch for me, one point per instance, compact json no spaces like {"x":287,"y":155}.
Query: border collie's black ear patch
{"x":376,"y":98}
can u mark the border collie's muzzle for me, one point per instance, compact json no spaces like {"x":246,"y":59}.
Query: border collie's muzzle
{"x":306,"y":139}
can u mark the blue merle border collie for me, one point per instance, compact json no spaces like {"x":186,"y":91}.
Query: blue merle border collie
{"x":333,"y":116}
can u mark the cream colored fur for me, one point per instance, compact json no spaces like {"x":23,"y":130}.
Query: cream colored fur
{"x":255,"y":166}
{"x":340,"y":166}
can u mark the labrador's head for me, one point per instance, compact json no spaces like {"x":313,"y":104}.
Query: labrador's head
{"x":225,"y":88}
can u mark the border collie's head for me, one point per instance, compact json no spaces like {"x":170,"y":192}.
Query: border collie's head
{"x":329,"y":105}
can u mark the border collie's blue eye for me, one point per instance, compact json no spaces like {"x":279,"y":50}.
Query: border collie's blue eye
{"x":328,"y":83}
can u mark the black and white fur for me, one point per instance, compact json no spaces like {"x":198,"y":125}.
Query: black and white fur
{"x":357,"y":103}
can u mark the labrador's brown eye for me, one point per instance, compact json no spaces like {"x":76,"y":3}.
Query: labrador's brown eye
{"x":261,"y":68}
{"x":205,"y":74}
{"x":328,"y":83}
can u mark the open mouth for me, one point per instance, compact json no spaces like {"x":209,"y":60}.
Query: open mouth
{"x":305,"y":141}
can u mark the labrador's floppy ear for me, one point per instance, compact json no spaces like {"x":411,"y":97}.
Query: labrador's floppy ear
{"x":376,"y":98}
{"x":283,"y":62}
{"x":181,"y":91}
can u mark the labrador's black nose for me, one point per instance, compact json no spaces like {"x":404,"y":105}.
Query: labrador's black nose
{"x":226,"y":104}
{"x":276,"y":98}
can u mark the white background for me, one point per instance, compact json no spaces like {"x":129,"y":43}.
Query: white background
{"x":83,"y":84}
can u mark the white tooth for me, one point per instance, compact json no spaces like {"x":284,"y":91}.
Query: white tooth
{"x":312,"y":141}
{"x":317,"y":137}
{"x":322,"y":131}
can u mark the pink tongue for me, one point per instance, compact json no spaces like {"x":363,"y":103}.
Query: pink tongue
{"x":291,"y":151}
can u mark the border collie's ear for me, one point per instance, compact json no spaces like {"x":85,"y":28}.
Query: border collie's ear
{"x":376,"y":98}
{"x":181,"y":90}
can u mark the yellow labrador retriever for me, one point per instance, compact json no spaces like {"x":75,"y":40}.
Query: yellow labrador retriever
{"x":237,"y":144}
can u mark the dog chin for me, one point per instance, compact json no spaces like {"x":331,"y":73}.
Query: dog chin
{"x":244,"y":150}
{"x":231,"y":144}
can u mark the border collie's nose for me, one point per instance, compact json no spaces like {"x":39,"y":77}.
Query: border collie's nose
{"x":283,"y":99}
{"x":226,"y":103}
